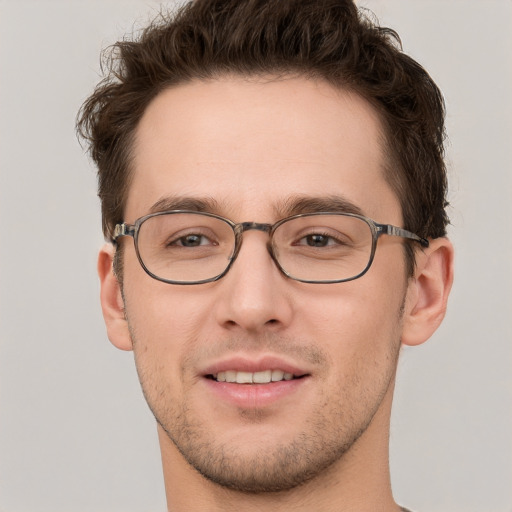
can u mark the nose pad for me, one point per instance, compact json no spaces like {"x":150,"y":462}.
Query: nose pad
{"x":271,"y":251}
{"x":253,"y":295}
{"x":248,"y":226}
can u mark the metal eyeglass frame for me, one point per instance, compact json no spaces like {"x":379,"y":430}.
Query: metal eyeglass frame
{"x":376,"y":229}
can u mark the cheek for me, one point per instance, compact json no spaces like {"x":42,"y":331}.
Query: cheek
{"x":166,"y":323}
{"x":158,"y":311}
{"x":163,"y":332}
{"x":358,"y":322}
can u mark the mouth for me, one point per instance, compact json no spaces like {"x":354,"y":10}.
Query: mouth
{"x":255,"y":382}
{"x":260,"y":377}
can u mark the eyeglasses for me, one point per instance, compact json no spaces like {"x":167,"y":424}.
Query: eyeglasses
{"x":186,"y":247}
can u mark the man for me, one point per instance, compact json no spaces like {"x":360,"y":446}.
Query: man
{"x":273,"y":189}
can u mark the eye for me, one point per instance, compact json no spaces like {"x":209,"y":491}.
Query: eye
{"x":318,"y":240}
{"x":191,"y":240}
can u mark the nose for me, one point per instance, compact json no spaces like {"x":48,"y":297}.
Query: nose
{"x":254,"y":295}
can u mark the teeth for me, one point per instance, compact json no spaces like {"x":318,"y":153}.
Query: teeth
{"x":244,"y":378}
{"x":277,"y":375}
{"x":263,"y":377}
{"x":230,"y":376}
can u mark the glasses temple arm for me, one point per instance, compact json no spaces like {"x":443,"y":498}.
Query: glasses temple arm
{"x":123,"y":230}
{"x":388,"y":229}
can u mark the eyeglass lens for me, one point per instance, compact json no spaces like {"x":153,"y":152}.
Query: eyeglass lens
{"x":190,"y":247}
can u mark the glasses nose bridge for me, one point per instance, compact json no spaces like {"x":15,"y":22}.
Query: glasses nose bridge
{"x":258,"y":226}
{"x":248,"y":226}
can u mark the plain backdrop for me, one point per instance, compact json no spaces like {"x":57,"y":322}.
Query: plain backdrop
{"x":75,"y":432}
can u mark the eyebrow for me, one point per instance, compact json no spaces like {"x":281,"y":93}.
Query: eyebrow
{"x":195,"y":204}
{"x":297,"y":205}
{"x":294,"y":205}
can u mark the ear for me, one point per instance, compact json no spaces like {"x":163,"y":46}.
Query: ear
{"x":112,"y":303}
{"x":428,"y":291}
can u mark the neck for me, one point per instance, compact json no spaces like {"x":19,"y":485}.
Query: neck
{"x":359,"y":481}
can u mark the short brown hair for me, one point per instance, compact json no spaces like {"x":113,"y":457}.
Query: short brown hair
{"x":320,"y":39}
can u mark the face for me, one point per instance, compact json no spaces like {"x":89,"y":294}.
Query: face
{"x":250,"y":149}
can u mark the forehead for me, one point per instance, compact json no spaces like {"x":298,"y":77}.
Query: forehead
{"x":250,"y":144}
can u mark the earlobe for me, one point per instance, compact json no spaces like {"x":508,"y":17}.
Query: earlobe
{"x":428,"y":291}
{"x":112,"y":303}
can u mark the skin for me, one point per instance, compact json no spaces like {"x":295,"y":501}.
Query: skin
{"x":251,"y":147}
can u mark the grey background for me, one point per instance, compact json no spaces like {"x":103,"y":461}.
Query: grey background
{"x":75,"y":433}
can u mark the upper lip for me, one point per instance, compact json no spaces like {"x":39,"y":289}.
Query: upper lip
{"x":251,"y":364}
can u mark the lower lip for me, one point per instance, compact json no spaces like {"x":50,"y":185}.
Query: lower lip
{"x":254,"y":396}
